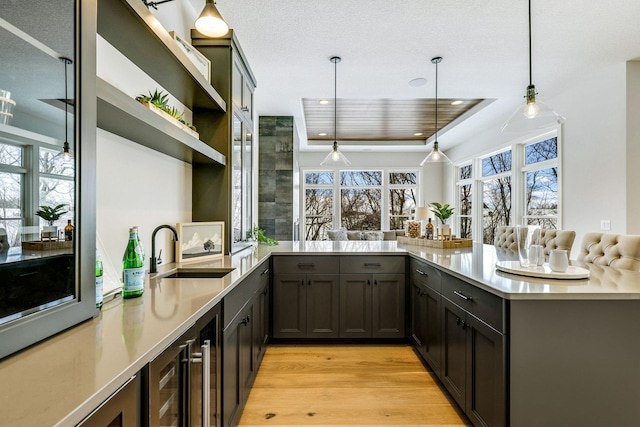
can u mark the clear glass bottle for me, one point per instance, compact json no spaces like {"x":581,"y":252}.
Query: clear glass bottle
{"x":68,"y":231}
{"x":133,"y":267}
{"x":99,"y":281}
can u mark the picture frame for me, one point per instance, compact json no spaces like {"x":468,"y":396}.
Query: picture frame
{"x":199,"y":241}
{"x":199,"y":60}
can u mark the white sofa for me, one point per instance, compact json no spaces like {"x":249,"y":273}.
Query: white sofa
{"x":344,"y":234}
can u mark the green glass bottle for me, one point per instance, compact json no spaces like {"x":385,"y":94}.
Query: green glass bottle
{"x":99,"y":272}
{"x":133,"y":267}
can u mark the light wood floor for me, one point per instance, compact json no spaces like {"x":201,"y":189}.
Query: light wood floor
{"x":346,"y":386}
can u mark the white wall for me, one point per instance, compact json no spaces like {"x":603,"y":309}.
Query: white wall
{"x":633,"y":147}
{"x":137,"y":185}
{"x":594,"y":150}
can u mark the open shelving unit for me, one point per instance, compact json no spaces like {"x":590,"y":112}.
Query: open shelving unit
{"x":124,"y":116}
{"x":134,"y":31}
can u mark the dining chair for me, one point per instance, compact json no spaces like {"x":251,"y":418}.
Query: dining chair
{"x":551,"y":239}
{"x":614,"y":250}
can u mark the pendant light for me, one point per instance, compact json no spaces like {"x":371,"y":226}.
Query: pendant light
{"x":534,"y":114}
{"x":66,"y":155}
{"x":335,"y":157}
{"x":436,"y":156}
{"x":210,"y":22}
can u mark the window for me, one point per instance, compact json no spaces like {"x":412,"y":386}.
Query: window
{"x":465,"y":201}
{"x":56,"y":183}
{"x":541,"y":181}
{"x":369,"y":200}
{"x":11,"y":193}
{"x":518,"y":185}
{"x":496,"y":194}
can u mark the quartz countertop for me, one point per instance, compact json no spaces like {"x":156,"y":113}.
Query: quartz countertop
{"x":60,"y":380}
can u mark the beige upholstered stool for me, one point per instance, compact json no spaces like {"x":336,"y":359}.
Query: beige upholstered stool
{"x":552,"y":239}
{"x":614,"y":250}
{"x":506,"y":239}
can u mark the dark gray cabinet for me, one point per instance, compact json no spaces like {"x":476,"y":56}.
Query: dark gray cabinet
{"x":244,"y":340}
{"x":306,"y":297}
{"x":474,"y":360}
{"x":426,"y":335}
{"x":121,"y":409}
{"x":372,"y":297}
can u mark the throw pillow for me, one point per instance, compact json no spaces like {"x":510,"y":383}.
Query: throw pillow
{"x":372,"y":235}
{"x":389,"y":235}
{"x":339,"y":234}
{"x":354,"y":235}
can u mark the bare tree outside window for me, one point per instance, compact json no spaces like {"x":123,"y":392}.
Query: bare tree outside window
{"x":11,"y":193}
{"x":541,"y":200}
{"x":361,"y":207}
{"x":465,"y":193}
{"x":56,"y":184}
{"x":496,"y":194}
{"x":318,"y":204}
{"x":402,"y":201}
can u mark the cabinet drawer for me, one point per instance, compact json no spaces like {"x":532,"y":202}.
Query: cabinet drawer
{"x":486,"y":306}
{"x":233,"y":302}
{"x":323,"y":264}
{"x":422,"y":273}
{"x":372,"y":264}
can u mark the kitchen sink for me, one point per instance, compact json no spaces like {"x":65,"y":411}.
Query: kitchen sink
{"x":199,"y":273}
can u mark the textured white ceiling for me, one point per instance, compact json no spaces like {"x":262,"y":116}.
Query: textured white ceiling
{"x":384,"y":44}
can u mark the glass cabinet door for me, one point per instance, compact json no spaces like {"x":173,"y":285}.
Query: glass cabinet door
{"x":242,"y":189}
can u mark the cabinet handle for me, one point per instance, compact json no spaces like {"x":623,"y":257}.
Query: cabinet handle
{"x":463,"y":296}
{"x":245,"y":109}
{"x":266,"y":291}
{"x":302,"y":282}
{"x":246,"y":320}
{"x":309,"y":282}
{"x":310,"y":265}
{"x":461,"y":323}
{"x":375,"y":282}
{"x":372,"y":264}
{"x":368,"y":282}
{"x":422,"y":273}
{"x":265,"y":272}
{"x":206,"y":382}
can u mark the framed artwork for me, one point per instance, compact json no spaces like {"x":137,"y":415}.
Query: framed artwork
{"x":199,"y":241}
{"x":199,"y":60}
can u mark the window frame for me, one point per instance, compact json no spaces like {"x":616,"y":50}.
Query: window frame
{"x":336,"y":187}
{"x":518,"y":178}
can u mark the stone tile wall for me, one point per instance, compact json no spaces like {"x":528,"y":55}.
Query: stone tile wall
{"x":275,"y":176}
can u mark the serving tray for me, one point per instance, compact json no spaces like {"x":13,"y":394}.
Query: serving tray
{"x":543,"y":271}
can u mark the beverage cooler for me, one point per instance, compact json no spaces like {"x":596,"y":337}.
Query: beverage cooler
{"x":181,"y":383}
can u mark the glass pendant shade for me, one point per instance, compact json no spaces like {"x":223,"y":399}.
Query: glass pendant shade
{"x":436,"y":156}
{"x":335,"y":157}
{"x":210,"y":22}
{"x":532,"y":115}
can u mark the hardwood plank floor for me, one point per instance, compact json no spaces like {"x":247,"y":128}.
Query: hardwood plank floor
{"x":347,"y":386}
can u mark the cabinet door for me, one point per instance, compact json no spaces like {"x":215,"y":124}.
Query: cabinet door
{"x":322,"y":305}
{"x":454,"y":351}
{"x":261,"y":325}
{"x":355,"y":305}
{"x":230,"y":373}
{"x":433,"y":333}
{"x":247,"y":98}
{"x":419,"y":318}
{"x":246,"y":355}
{"x":289,"y":296}
{"x":486,"y":374}
{"x":388,"y":305}
{"x":119,"y":410}
{"x":237,"y":84}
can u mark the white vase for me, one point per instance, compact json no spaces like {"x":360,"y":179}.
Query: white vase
{"x":49,"y":231}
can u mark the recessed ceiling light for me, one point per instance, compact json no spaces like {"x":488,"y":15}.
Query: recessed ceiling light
{"x":417,"y":134}
{"x":322,"y":134}
{"x":420,"y":81}
{"x":324,"y":102}
{"x":457,"y":102}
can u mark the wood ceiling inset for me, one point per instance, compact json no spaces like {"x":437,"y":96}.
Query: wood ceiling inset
{"x":380,"y":120}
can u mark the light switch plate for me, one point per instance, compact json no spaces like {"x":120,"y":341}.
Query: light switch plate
{"x":605,"y":224}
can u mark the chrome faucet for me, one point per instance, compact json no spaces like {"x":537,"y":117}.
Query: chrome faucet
{"x":153,"y":265}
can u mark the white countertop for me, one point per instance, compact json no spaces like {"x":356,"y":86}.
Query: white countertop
{"x":60,"y":380}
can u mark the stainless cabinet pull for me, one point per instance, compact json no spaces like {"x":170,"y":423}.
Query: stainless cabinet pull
{"x":206,"y":383}
{"x":245,"y":109}
{"x":372,"y":264}
{"x":266,"y":271}
{"x":463,"y":296}
{"x":421,"y":272}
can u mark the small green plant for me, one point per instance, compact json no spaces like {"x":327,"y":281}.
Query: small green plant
{"x":258,"y":235}
{"x":442,"y":212}
{"x":160,"y":100}
{"x":51,"y":214}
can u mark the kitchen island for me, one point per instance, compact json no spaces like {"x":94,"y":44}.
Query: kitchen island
{"x":572,"y":346}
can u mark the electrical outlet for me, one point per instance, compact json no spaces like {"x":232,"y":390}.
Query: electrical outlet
{"x":605,"y":224}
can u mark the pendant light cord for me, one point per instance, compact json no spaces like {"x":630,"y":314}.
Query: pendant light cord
{"x":436,"y":139}
{"x":335,"y":101}
{"x":66,"y":62}
{"x":530,"y":72}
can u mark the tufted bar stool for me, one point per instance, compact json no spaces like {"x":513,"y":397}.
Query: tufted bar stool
{"x":506,"y":239}
{"x":552,"y":239}
{"x":614,"y":250}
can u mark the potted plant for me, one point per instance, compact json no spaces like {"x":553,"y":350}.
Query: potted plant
{"x":51,"y":214}
{"x":158,"y":103}
{"x":443,"y":212}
